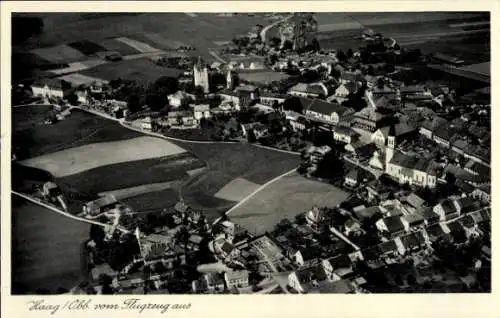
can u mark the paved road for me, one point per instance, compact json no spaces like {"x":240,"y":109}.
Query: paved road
{"x":268,"y":27}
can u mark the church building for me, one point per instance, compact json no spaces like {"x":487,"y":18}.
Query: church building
{"x":200,"y":71}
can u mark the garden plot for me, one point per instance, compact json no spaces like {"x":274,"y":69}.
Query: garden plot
{"x":76,"y":160}
{"x":137,"y":45}
{"x":77,"y":79}
{"x":59,"y":54}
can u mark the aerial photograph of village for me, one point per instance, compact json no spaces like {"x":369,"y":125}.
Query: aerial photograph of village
{"x":250,"y":153}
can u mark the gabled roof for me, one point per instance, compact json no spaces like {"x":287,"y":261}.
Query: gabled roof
{"x":388,"y":247}
{"x":227,"y":247}
{"x":308,"y":274}
{"x":51,"y":83}
{"x":370,"y":113}
{"x":342,"y":286}
{"x":435,"y":231}
{"x":413,"y":240}
{"x":414,"y":200}
{"x":322,"y":107}
{"x":236,"y":275}
{"x":466,"y":204}
{"x":448,"y":207}
{"x":467,"y":221}
{"x":340,"y":261}
{"x":309,"y":253}
{"x":414,"y":219}
{"x":393,"y":224}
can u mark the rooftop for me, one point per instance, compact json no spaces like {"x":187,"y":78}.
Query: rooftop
{"x":326,"y":108}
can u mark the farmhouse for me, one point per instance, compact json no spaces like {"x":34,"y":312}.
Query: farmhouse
{"x":338,"y":267}
{"x":178,"y":98}
{"x":214,"y":282}
{"x":305,"y":280}
{"x":308,"y":90}
{"x":52,"y":88}
{"x":180,"y":118}
{"x":329,"y":112}
{"x":100,"y":205}
{"x":201,"y":111}
{"x":446,"y":210}
{"x":344,"y":90}
{"x":345,"y":134}
{"x":369,"y":119}
{"x":392,"y":225}
{"x":271,"y":99}
{"x":236,"y":279}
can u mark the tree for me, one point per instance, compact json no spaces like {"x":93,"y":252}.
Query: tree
{"x":199,"y":92}
{"x":315,"y":45}
{"x":72,"y":99}
{"x":133,"y":103}
{"x":350,"y":54}
{"x":293,"y":104}
{"x":251,"y":136}
{"x":341,"y":55}
{"x":97,"y":234}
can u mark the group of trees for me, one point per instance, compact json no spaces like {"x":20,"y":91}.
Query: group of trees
{"x":25,"y":27}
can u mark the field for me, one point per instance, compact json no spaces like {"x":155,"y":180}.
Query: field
{"x":137,"y":45}
{"x":141,"y":70}
{"x":120,"y":47}
{"x":265,"y":76}
{"x":46,"y":249}
{"x":227,"y":162}
{"x":80,"y":159}
{"x":79,"y":129}
{"x":87,"y":47}
{"x":285,"y":198}
{"x":236,"y":190}
{"x":59,"y":54}
{"x":200,"y":30}
{"x":77,"y":79}
{"x":131,"y":174}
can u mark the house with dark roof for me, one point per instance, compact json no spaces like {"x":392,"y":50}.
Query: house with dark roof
{"x":412,"y":242}
{"x":306,"y":256}
{"x":482,"y":193}
{"x":410,"y":203}
{"x":214,"y":282}
{"x":415,"y":220}
{"x":390,"y":249}
{"x":308,"y":90}
{"x":436,"y":231}
{"x":342,"y":286}
{"x":346,"y":89}
{"x":412,"y":170}
{"x":369,"y":119}
{"x":101,"y":205}
{"x":401,"y":131}
{"x":446,"y":210}
{"x":345,"y":134}
{"x":428,"y":127}
{"x":366,"y":213}
{"x":338,"y":267}
{"x":331,"y":113}
{"x":52,"y":88}
{"x":306,"y":279}
{"x":392,"y":225}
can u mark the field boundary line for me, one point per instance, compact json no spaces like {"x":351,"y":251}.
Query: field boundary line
{"x":256,"y":191}
{"x":68,"y":215}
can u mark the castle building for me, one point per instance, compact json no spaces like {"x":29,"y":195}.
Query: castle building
{"x":408,"y":169}
{"x":200,"y":71}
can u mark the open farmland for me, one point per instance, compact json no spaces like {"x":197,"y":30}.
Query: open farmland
{"x":118,"y":46}
{"x":77,"y":79}
{"x":262,"y":77}
{"x":80,"y":128}
{"x":225,"y":163}
{"x":141,"y":70}
{"x":131,"y":174}
{"x":87,"y":47}
{"x":46,"y":249}
{"x":285,"y":198}
{"x":80,"y":159}
{"x":59,"y":54}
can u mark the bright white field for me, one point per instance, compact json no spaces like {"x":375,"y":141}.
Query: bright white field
{"x":137,"y":45}
{"x":285,"y":198}
{"x":236,"y":190}
{"x":79,"y":159}
{"x":78,"y":79}
{"x":125,"y":193}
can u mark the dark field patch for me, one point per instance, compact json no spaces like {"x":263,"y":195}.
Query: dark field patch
{"x":153,"y":201}
{"x":120,"y":47}
{"x":131,"y":174}
{"x":140,"y":70}
{"x":46,"y":249}
{"x":87,"y":47}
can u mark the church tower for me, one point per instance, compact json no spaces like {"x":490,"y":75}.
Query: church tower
{"x":391,"y":145}
{"x":200,"y":71}
{"x":230,"y":80}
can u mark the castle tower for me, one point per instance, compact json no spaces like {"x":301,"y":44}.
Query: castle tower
{"x":391,"y":145}
{"x":200,"y":71}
